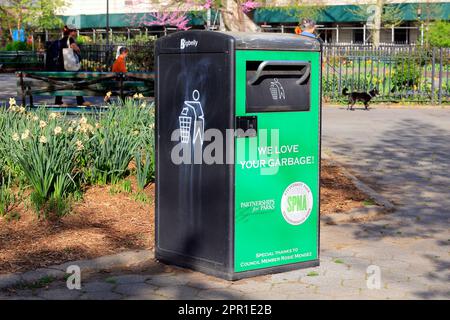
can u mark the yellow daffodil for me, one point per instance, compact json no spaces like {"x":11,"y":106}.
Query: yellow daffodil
{"x":42,"y":124}
{"x":25,"y":135}
{"x":58,"y":130}
{"x":53,"y":116}
{"x":83,"y":120}
{"x":15,"y":137}
{"x":43,"y":140}
{"x":79,"y":145}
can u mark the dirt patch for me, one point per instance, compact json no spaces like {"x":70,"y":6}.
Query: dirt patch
{"x":338,"y":193}
{"x":110,"y":221}
{"x":107,"y":221}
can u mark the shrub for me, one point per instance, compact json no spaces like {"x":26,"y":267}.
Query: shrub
{"x":406,"y":72}
{"x":18,"y":46}
{"x":438,"y":34}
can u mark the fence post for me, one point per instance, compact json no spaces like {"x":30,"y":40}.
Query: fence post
{"x":441,"y":66}
{"x":337,"y":33}
{"x":433,"y":72}
{"x":364,"y":34}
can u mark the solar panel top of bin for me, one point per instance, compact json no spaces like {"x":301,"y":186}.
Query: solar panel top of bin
{"x":207,"y":41}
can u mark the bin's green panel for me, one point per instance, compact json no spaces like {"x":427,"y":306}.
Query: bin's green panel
{"x":263,"y":236}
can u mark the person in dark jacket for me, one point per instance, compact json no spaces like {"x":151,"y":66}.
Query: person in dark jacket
{"x":70,"y":34}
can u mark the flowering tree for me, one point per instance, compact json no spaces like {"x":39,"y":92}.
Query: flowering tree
{"x":176,"y":13}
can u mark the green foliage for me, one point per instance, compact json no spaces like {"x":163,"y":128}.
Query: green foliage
{"x":123,"y":187}
{"x":145,"y":167}
{"x":391,"y":16}
{"x":115,"y":139}
{"x":8,"y":199}
{"x":18,"y":46}
{"x":56,"y":156}
{"x":45,"y":151}
{"x":406,"y":72}
{"x":438,"y":34}
{"x":30,"y":14}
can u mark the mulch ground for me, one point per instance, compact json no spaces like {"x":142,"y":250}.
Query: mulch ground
{"x":107,"y":222}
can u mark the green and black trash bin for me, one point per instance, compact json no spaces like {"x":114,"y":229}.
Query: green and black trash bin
{"x":238,"y":152}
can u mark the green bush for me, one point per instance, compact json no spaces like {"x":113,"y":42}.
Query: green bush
{"x":406,"y":72}
{"x":18,"y":46}
{"x":438,"y":34}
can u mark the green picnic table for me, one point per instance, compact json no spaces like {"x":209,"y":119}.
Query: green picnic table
{"x":87,"y":84}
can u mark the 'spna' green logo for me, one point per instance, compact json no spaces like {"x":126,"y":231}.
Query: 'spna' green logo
{"x":297,"y":203}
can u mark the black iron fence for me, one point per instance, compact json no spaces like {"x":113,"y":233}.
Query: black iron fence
{"x":101,"y":57}
{"x":399,"y":73}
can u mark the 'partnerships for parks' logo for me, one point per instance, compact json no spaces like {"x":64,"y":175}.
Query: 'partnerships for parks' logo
{"x":188,"y":43}
{"x":297,"y":203}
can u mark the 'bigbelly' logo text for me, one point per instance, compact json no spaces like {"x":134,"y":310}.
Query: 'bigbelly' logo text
{"x":187,"y":43}
{"x":297,"y":203}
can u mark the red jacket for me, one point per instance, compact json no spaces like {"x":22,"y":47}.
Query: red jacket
{"x":119,"y":65}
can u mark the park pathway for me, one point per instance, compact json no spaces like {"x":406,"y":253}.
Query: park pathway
{"x":404,"y":155}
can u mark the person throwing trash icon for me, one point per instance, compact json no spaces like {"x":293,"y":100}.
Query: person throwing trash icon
{"x":192,"y":120}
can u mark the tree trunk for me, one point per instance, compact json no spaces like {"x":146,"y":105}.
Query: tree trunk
{"x":377,"y":23}
{"x":234,"y":19}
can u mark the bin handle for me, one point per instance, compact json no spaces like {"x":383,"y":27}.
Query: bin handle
{"x":264,"y":64}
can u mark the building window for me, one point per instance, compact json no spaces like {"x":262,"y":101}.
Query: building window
{"x":326,"y":35}
{"x":401,"y":35}
{"x":358,"y":36}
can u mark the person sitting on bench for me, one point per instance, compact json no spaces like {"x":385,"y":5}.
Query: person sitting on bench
{"x":120,"y":65}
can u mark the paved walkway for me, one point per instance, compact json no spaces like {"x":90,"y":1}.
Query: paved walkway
{"x":404,"y":154}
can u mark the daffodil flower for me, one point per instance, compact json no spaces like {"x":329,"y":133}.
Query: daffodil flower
{"x":43,"y":140}
{"x":83,"y":120}
{"x":79,"y":145}
{"x":25,"y":135}
{"x":57,"y":130}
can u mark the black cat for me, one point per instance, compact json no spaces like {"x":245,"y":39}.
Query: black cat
{"x":364,"y":97}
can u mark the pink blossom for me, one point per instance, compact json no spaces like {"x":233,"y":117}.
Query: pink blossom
{"x":175,"y":18}
{"x":208,"y":4}
{"x":249,"y":5}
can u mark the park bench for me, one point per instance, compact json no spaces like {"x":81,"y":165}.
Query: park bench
{"x":21,"y":60}
{"x":86,"y":84}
